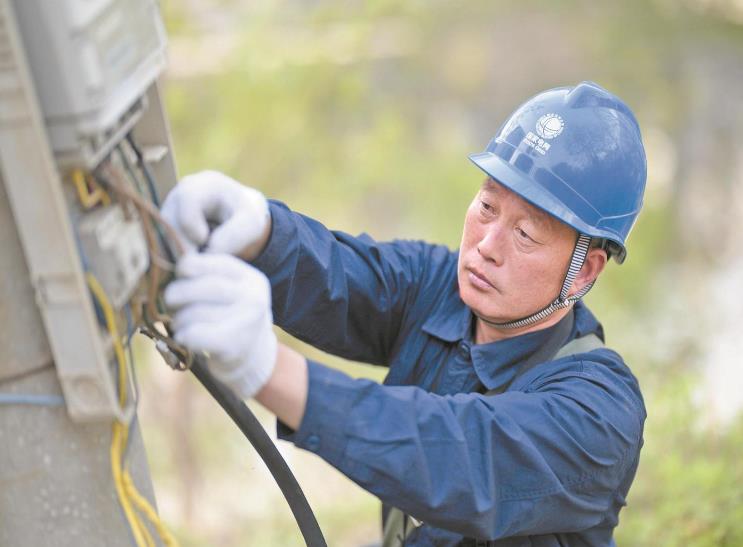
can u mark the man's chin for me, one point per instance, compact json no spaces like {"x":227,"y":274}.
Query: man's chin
{"x":487,"y":315}
{"x":491,"y":314}
{"x":491,"y":319}
{"x":474,"y":302}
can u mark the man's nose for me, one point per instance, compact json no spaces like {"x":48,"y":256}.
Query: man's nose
{"x":492,"y":245}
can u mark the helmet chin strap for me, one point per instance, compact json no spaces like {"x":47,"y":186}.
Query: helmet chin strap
{"x":563,"y":300}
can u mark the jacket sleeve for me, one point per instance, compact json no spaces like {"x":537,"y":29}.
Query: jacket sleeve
{"x":533,"y":462}
{"x":345,"y":295}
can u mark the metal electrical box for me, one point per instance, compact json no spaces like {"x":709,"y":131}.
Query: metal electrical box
{"x":92,"y":62}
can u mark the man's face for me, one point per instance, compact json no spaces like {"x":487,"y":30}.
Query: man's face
{"x":513,"y":256}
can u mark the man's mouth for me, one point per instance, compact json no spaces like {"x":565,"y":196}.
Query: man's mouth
{"x":478,"y":279}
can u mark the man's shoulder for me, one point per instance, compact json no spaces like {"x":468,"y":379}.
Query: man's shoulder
{"x":605,"y":362}
{"x":432,"y":265}
{"x":602,"y":361}
{"x":597,"y":379}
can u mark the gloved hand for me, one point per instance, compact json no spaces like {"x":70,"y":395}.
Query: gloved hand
{"x":240,"y":213}
{"x":223,"y":307}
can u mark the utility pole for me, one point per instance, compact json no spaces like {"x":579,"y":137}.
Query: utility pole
{"x":56,"y":487}
{"x":57,"y":393}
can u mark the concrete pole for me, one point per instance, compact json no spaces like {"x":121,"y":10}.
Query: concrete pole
{"x":56,"y":487}
{"x":56,"y":484}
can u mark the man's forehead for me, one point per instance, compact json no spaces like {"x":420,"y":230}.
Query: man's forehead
{"x":490,"y":185}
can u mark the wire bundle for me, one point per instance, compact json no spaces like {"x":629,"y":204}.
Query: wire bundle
{"x":126,"y":490}
{"x":93,"y":191}
{"x":134,"y":505}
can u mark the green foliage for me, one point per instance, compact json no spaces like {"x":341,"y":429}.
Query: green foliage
{"x":688,"y":489}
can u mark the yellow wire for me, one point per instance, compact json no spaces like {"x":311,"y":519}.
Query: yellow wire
{"x":134,"y":524}
{"x":125,"y":487}
{"x":87,"y":198}
{"x":105,"y":198}
{"x":144,"y":506}
{"x":119,"y":432}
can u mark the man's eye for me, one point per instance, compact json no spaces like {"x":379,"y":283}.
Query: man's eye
{"x":522,"y":234}
{"x":486,"y":207}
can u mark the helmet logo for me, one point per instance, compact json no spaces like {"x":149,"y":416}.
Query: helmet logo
{"x":550,"y":125}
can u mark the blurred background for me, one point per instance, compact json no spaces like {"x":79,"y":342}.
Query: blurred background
{"x":361,"y":114}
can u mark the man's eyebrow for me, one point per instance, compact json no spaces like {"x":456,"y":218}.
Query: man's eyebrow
{"x":540,"y":218}
{"x":536,"y":216}
{"x":489,"y":184}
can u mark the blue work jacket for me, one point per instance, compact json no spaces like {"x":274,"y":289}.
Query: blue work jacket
{"x":547,"y":462}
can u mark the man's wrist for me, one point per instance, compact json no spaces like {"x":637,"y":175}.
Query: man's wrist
{"x":285,"y":393}
{"x":254,"y":250}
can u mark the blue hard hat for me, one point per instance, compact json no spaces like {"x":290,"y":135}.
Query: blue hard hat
{"x":575,"y":152}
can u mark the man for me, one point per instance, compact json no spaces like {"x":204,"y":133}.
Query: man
{"x":503,"y":416}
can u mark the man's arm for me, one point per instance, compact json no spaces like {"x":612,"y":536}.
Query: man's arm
{"x":518,"y":463}
{"x":347,"y":295}
{"x":343,"y":294}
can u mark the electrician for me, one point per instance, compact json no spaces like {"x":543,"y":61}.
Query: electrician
{"x":503,"y":419}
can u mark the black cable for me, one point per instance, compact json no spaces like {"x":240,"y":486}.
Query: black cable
{"x":145,"y":169}
{"x":152,"y":189}
{"x":241,"y":414}
{"x":253,"y":430}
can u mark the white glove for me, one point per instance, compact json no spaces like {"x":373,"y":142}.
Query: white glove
{"x":240,"y":213}
{"x":223,"y":307}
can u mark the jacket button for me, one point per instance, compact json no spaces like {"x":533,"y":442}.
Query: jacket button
{"x":313,"y":442}
{"x":464,"y":350}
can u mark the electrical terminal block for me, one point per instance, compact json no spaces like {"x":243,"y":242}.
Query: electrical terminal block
{"x":114,"y":245}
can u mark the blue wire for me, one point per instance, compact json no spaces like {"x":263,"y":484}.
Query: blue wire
{"x":155,"y":197}
{"x":79,"y":243}
{"x":27,"y":399}
{"x":146,"y":170}
{"x":86,"y":268}
{"x":130,"y":328}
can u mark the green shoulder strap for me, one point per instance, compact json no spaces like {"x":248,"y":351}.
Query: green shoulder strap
{"x":397,"y":527}
{"x":584,"y":344}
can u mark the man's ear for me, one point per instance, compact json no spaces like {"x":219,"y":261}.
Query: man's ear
{"x":594,"y":264}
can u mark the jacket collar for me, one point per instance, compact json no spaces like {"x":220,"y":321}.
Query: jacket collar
{"x":451,"y":319}
{"x":496,"y":363}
